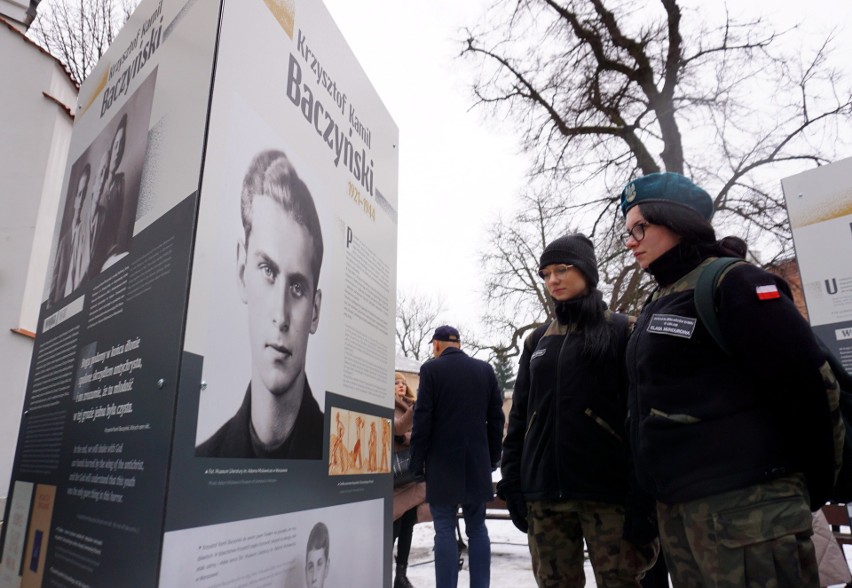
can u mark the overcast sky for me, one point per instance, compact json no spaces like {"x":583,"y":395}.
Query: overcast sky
{"x":459,"y":169}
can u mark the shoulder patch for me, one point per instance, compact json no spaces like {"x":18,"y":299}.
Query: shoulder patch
{"x":769,"y":292}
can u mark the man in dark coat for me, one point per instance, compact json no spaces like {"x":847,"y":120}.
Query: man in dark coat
{"x":458,"y":426}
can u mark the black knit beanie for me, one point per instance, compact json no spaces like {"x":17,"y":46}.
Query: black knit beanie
{"x":576,"y":250}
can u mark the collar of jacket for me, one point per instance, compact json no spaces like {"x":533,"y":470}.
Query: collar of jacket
{"x":450,"y":351}
{"x":676,"y":263}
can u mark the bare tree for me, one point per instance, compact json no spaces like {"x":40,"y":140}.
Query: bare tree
{"x":517,"y":301}
{"x":416,"y":318}
{"x":472,"y":343}
{"x":78,"y":32}
{"x":603,"y":91}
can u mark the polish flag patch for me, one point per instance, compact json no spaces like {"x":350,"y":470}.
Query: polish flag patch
{"x":767,"y":292}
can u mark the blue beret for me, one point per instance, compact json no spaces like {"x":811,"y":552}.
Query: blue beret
{"x":667,"y":187}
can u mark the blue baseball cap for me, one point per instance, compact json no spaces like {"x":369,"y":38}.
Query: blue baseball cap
{"x":446,"y":333}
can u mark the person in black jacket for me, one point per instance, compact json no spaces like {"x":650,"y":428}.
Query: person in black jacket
{"x":458,"y":423}
{"x":734,"y":447}
{"x":565,"y":464}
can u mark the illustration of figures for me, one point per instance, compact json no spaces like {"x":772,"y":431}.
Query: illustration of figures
{"x":371,"y":449}
{"x":385,"y":444}
{"x":339,"y":460}
{"x":346,"y":452}
{"x":357,"y":460}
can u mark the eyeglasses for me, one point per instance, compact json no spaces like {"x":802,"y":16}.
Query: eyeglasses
{"x":637,"y":232}
{"x":559,"y":271}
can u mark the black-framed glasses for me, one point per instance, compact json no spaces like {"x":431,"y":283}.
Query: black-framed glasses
{"x":637,"y":231}
{"x":559,"y":271}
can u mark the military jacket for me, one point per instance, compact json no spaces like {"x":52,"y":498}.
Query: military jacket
{"x":704,"y":422}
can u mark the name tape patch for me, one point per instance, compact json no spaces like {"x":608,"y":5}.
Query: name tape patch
{"x":671,"y":324}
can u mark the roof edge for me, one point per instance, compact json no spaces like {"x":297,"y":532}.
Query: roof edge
{"x":42,"y":49}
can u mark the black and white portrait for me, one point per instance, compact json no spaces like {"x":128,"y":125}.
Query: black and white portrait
{"x":276,"y":266}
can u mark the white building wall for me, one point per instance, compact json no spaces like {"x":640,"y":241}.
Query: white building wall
{"x":35,"y":130}
{"x":15,"y":11}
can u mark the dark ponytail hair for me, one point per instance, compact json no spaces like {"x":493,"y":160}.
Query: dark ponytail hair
{"x":693,"y":229}
{"x":599,"y":333}
{"x":588,"y":312}
{"x":734,"y":246}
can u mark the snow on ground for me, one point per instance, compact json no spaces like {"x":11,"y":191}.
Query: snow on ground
{"x":510,"y":558}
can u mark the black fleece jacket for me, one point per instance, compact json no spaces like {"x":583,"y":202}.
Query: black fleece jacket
{"x":566,"y":437}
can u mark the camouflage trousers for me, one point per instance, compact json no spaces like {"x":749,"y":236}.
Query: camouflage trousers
{"x":556,"y":533}
{"x":755,"y":537}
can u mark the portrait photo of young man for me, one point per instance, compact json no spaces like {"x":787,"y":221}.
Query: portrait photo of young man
{"x":278,"y":260}
{"x":316,"y":557}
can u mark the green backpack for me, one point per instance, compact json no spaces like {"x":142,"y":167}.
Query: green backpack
{"x":705,"y":295}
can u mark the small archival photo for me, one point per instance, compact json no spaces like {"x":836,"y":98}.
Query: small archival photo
{"x":99,"y":207}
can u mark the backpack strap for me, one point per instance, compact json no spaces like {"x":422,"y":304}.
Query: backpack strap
{"x":536,"y":335}
{"x":705,"y":298}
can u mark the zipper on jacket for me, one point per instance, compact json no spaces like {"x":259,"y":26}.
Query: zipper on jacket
{"x":555,"y":408}
{"x":603,"y":424}
{"x":530,"y":424}
{"x":633,"y":369}
{"x":634,"y":414}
